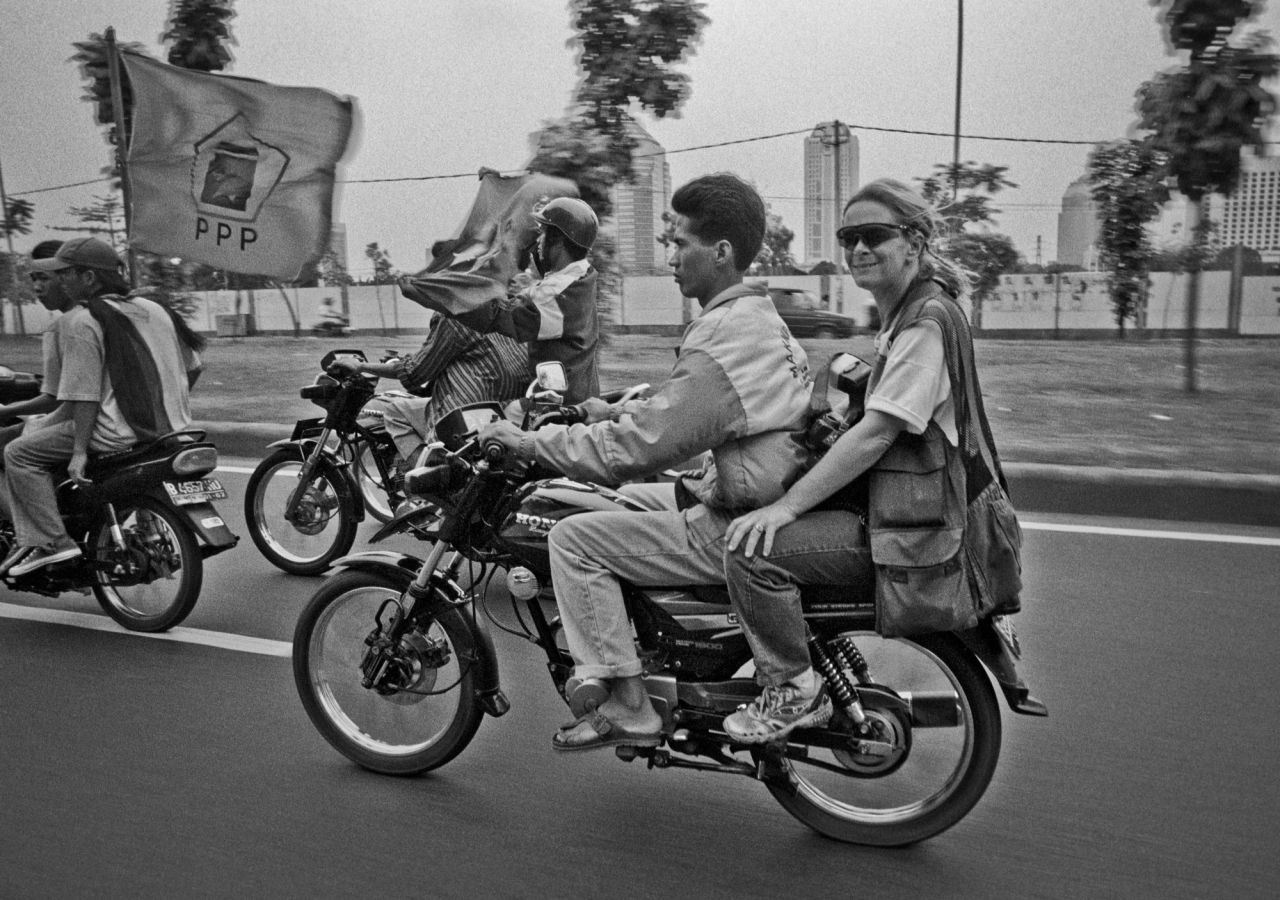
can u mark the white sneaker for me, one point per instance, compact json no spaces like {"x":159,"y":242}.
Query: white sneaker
{"x":40,"y":557}
{"x":776,"y":713}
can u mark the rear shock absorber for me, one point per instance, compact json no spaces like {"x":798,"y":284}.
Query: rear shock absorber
{"x":841,"y":691}
{"x":851,"y":658}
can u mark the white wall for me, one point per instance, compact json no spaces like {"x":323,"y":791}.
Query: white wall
{"x":1074,"y":301}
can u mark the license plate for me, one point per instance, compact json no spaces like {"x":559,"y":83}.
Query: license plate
{"x":200,"y":490}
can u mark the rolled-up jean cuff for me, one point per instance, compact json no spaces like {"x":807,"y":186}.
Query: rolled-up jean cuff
{"x":622,"y":670}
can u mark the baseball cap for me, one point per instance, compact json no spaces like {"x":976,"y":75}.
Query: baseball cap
{"x":83,"y":251}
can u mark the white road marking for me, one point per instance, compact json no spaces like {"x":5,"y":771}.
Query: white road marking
{"x":1205,"y":537}
{"x":226,"y":641}
{"x":266,"y":647}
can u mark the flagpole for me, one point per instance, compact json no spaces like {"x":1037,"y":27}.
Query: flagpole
{"x":126,"y":188}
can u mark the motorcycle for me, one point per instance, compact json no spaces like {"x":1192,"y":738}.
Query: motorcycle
{"x":307,"y":497}
{"x":145,"y":523}
{"x":396,"y":667}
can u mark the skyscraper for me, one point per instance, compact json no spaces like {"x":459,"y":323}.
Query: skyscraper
{"x":638,"y":206}
{"x":1251,"y":214}
{"x":830,"y":156}
{"x":1077,"y":224}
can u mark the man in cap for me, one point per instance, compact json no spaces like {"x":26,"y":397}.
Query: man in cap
{"x":52,"y":299}
{"x":107,"y":402}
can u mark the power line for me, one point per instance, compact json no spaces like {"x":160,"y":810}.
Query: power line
{"x":711,"y":146}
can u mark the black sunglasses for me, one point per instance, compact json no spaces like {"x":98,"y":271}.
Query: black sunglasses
{"x":872,"y":234}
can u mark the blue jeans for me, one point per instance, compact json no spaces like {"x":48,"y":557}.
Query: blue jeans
{"x":29,"y":463}
{"x":826,"y":547}
{"x":591,"y":552}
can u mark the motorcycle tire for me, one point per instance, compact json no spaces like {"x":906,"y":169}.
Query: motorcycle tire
{"x":419,"y":722}
{"x":327,"y":522}
{"x":373,"y":492}
{"x":941,"y":774}
{"x":153,"y":582}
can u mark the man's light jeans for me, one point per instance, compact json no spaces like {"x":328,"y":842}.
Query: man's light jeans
{"x":591,"y":552}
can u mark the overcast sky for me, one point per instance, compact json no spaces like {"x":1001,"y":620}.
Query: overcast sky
{"x":446,"y":86}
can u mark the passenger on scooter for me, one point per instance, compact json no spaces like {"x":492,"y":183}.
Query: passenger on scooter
{"x":887,"y":233}
{"x":556,"y":316}
{"x":108,"y":400}
{"x":740,"y":385}
{"x":454,"y":366}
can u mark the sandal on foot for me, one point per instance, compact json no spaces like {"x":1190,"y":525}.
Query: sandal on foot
{"x":608,"y":734}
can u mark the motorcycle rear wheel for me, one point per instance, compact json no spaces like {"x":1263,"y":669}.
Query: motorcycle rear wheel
{"x":395,"y":732}
{"x":326,"y":527}
{"x":152,"y":584}
{"x":944,"y":773}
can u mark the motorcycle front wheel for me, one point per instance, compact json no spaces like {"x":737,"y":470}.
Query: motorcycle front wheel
{"x":147,"y":579}
{"x":940,"y":765}
{"x":421,"y":710}
{"x":324,"y":527}
{"x":373,"y":488}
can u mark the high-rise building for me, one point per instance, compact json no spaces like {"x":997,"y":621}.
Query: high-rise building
{"x":830,"y":177}
{"x":1077,"y":224}
{"x":638,"y":206}
{"x":1250,"y":215}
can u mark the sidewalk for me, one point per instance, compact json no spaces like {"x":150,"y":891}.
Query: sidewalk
{"x":1035,"y":487}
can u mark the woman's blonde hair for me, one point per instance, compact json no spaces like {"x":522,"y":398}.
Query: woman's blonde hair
{"x":917,"y":214}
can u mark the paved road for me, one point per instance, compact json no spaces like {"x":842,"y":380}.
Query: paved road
{"x":159,"y":768}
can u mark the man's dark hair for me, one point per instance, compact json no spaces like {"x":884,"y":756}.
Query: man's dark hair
{"x":46,"y":249}
{"x":722,"y":206}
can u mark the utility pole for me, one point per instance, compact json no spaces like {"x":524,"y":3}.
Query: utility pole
{"x":955,"y":141}
{"x":19,"y":325}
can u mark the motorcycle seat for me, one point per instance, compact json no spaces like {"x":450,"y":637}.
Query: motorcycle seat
{"x":99,"y":462}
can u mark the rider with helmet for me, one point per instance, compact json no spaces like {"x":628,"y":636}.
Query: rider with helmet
{"x":556,"y":316}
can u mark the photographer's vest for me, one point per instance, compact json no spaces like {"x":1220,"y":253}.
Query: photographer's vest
{"x":943,"y":535}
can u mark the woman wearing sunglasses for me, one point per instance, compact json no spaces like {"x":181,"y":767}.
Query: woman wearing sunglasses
{"x":887,"y":235}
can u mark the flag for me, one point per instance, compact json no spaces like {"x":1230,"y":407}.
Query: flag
{"x":473,"y":268}
{"x":231,"y":172}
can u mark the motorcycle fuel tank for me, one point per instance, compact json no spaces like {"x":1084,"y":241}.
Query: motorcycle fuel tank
{"x":541,"y":504}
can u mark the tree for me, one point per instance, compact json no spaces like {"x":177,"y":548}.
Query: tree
{"x":383,"y":271}
{"x":104,"y":217}
{"x":775,"y":256}
{"x":1128,"y":184}
{"x":1204,"y":114}
{"x":627,"y":52}
{"x":17,"y":217}
{"x":332,"y":272}
{"x":987,"y":256}
{"x":199,"y":34}
{"x":962,"y":195}
{"x":96,"y":71}
{"x":970,"y":182}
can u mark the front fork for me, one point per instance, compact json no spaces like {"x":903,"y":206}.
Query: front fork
{"x":309,"y":463}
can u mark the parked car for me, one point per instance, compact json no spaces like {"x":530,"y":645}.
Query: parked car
{"x":806,"y":317}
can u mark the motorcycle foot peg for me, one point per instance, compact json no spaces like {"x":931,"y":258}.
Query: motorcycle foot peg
{"x":585,"y":694}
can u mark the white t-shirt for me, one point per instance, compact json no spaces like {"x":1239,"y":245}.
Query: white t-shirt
{"x":915,"y":386}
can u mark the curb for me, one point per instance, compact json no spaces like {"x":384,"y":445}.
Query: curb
{"x":1035,"y":487}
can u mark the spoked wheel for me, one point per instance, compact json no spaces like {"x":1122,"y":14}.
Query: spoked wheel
{"x":324,"y":527}
{"x":419,"y":712}
{"x":912,"y":779}
{"x":373,"y":487}
{"x":148,"y":580}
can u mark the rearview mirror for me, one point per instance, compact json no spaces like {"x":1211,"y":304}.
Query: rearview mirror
{"x":551,"y":377}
